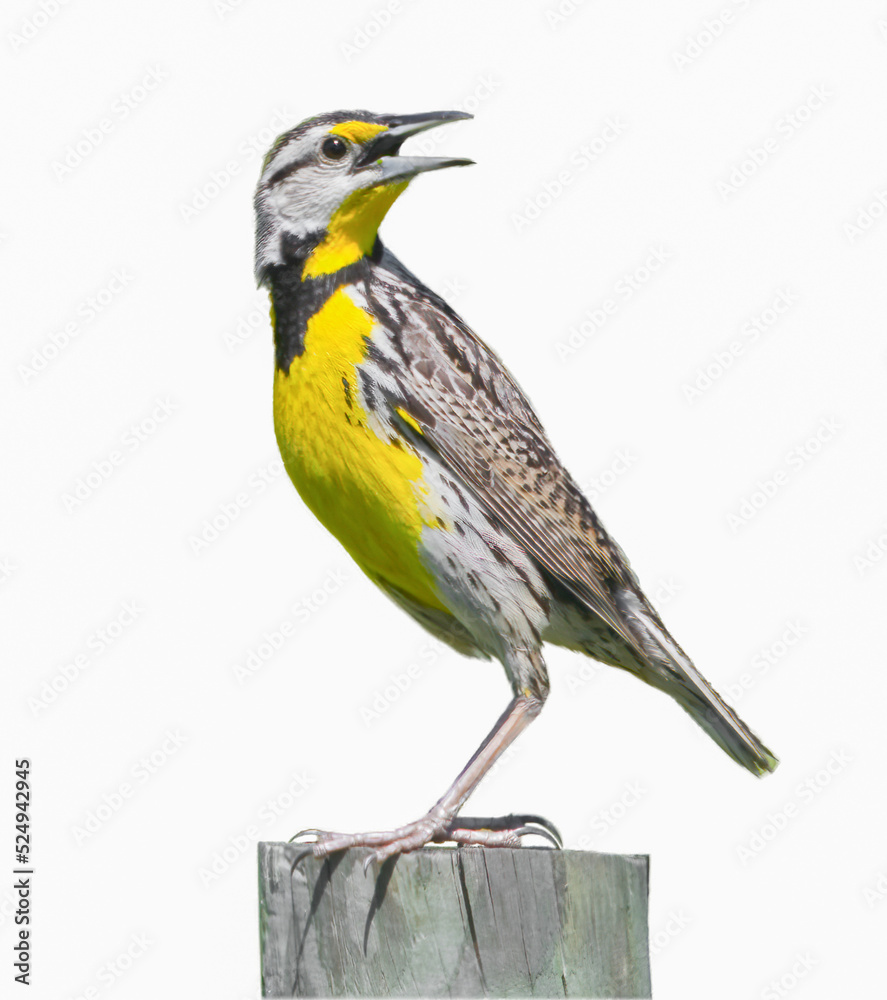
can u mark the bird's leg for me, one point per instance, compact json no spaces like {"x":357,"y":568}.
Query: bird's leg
{"x":442,"y":822}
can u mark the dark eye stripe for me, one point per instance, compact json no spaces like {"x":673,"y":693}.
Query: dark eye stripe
{"x":279,"y":175}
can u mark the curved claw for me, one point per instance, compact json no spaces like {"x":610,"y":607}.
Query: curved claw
{"x":538,"y":831}
{"x":306,"y":833}
{"x":368,"y":860}
{"x":299,"y":858}
{"x":546,"y":824}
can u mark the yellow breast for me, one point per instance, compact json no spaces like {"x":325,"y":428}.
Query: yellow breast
{"x":366,"y":490}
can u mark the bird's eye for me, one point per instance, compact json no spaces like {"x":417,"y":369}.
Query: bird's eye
{"x":333,"y":148}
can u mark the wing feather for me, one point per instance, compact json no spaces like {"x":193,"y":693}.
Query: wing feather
{"x":459,"y":400}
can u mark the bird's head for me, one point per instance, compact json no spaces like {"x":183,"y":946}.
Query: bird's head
{"x":327,"y":184}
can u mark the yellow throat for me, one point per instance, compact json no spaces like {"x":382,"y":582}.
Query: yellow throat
{"x":352,"y":229}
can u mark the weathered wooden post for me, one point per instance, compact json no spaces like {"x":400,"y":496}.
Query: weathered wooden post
{"x":466,"y":922}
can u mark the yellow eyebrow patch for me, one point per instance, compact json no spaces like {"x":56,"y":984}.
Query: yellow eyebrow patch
{"x":357,"y":131}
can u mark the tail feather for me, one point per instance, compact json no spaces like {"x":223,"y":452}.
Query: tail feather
{"x":697,"y":697}
{"x":670,"y":670}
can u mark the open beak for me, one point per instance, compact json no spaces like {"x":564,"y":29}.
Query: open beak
{"x":384,"y":148}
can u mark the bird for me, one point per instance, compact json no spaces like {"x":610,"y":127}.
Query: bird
{"x":411,"y":442}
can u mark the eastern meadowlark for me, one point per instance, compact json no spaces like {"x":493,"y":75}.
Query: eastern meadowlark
{"x":410,"y":441}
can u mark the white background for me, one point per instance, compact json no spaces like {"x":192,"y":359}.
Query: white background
{"x":751,"y":155}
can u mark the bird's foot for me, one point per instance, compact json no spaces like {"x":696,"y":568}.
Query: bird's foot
{"x":500,"y":831}
{"x":503,"y":831}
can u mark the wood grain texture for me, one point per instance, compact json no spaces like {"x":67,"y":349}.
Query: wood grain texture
{"x":467,"y":922}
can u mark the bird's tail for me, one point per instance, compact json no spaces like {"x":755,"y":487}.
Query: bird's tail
{"x":697,"y":697}
{"x":669,"y":669}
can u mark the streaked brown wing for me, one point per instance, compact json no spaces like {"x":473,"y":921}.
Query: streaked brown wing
{"x":472,"y":413}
